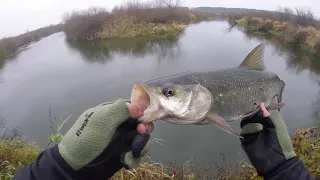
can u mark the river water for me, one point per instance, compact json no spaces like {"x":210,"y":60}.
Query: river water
{"x":53,"y":78}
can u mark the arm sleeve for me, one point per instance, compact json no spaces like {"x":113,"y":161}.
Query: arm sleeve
{"x":292,"y":169}
{"x":51,"y":166}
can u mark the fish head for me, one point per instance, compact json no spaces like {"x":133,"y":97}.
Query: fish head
{"x":174,"y":103}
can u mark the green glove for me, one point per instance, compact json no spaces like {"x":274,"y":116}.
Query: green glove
{"x":104,"y":138}
{"x":266,"y":141}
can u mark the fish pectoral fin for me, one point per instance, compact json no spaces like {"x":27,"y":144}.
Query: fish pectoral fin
{"x":255,"y":59}
{"x":279,"y":98}
{"x":275,"y":106}
{"x":215,"y":119}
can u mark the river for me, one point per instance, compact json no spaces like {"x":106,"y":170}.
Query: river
{"x":53,"y":78}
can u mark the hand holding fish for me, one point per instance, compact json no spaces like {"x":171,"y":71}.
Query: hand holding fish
{"x":268,"y":145}
{"x":106,"y":137}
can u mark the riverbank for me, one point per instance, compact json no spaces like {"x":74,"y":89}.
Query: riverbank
{"x":14,"y":154}
{"x":156,"y":19}
{"x":306,"y":38}
{"x":11,"y":44}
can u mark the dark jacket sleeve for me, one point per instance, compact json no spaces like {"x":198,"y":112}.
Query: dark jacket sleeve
{"x":292,"y":169}
{"x":51,"y":166}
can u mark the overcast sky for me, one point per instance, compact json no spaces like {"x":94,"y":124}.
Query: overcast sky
{"x":17,"y":16}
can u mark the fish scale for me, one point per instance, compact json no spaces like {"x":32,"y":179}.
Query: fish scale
{"x":238,"y":87}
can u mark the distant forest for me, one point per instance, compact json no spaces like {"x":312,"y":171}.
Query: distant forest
{"x":223,"y":10}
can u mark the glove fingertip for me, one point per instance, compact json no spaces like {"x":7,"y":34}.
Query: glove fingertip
{"x":255,"y":118}
{"x":129,"y":161}
{"x":251,"y":128}
{"x":139,"y":144}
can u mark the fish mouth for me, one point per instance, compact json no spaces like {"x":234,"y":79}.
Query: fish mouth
{"x":141,"y":94}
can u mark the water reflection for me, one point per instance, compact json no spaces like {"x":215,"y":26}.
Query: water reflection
{"x":104,"y":51}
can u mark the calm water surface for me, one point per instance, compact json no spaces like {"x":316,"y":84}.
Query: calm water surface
{"x":60,"y":78}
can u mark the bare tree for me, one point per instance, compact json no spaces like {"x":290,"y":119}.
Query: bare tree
{"x":169,"y":3}
{"x":305,"y":17}
{"x":92,"y":11}
{"x":288,"y":13}
{"x":285,"y":14}
{"x":65,"y":17}
{"x":310,"y":17}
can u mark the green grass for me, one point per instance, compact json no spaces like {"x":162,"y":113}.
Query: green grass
{"x":306,"y":50}
{"x":275,"y":32}
{"x":251,"y":28}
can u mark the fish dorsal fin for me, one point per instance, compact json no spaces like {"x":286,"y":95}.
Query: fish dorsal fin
{"x":255,"y":59}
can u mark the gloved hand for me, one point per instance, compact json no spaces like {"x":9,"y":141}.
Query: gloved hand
{"x":106,"y":138}
{"x":266,"y":141}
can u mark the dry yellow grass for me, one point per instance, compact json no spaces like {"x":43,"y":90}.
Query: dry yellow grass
{"x":126,"y":27}
{"x":146,"y":171}
{"x":14,"y":154}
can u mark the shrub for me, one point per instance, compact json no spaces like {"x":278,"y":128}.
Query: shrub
{"x":300,"y":37}
{"x":255,"y":21}
{"x":83,"y":25}
{"x":299,"y":16}
{"x":286,"y":27}
{"x":243,"y":21}
{"x":266,"y":26}
{"x":316,"y":47}
{"x":97,"y":22}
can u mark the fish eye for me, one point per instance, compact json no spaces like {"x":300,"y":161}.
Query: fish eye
{"x":167,"y":92}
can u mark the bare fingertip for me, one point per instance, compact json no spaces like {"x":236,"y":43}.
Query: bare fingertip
{"x":142,"y":129}
{"x":135,"y":111}
{"x":150,"y":127}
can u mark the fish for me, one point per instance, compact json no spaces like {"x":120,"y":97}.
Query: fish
{"x":211,"y":97}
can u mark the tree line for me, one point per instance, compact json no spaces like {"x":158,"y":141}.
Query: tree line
{"x":9,"y":45}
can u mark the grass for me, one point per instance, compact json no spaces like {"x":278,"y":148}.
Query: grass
{"x":275,"y":33}
{"x":146,"y":171}
{"x":130,"y":30}
{"x":14,"y":154}
{"x":307,"y":146}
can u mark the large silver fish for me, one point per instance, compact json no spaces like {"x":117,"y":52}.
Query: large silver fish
{"x":211,"y":98}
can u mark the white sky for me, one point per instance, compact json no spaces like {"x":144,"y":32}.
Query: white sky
{"x":17,"y":16}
